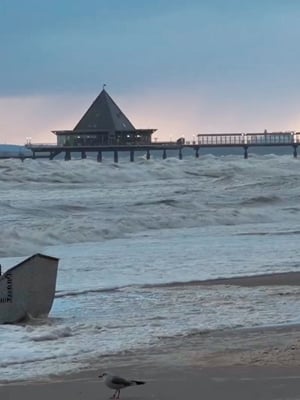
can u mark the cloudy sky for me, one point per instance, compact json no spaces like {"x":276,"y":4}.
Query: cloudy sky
{"x":181,"y":66}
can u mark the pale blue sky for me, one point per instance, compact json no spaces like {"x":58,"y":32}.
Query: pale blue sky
{"x":183,"y":67}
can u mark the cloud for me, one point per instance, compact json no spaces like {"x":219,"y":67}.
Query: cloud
{"x":54,"y":48}
{"x":174,"y":112}
{"x":35,"y":117}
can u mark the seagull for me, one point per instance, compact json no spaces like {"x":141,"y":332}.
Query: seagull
{"x":118,"y":383}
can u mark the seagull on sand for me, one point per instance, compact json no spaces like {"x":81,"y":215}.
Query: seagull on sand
{"x":118,"y":383}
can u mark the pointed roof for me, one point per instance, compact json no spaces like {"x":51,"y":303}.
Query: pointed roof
{"x":104,"y":114}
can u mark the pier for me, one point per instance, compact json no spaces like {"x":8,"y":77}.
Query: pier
{"x":244,"y":141}
{"x":104,"y":128}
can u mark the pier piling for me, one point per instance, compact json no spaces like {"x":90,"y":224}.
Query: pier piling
{"x":99,"y":156}
{"x":67,"y":155}
{"x":295,"y":150}
{"x":116,"y":156}
{"x":131,"y":155}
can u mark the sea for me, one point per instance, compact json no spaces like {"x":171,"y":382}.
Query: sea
{"x":135,"y":240}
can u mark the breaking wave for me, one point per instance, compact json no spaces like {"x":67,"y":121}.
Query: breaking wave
{"x":46,"y":203}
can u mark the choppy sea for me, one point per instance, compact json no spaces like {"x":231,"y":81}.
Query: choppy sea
{"x":134,"y":239}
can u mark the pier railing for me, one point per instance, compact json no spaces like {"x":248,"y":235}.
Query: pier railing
{"x":242,"y":139}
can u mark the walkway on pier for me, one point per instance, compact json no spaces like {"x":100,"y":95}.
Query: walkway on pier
{"x":245,"y":140}
{"x":214,"y":140}
{"x":253,"y":139}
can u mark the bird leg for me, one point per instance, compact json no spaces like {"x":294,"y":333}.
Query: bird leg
{"x":116,"y":395}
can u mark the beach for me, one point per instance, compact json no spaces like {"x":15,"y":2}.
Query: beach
{"x":181,"y":273}
{"x":259,"y":362}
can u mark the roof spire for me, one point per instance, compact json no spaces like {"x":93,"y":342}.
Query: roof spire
{"x":104,"y":84}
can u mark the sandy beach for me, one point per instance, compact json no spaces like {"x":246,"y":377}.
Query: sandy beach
{"x":215,"y":383}
{"x":248,"y":364}
{"x":261,"y":363}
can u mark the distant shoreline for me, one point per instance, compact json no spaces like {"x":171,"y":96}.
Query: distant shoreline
{"x":290,"y":278}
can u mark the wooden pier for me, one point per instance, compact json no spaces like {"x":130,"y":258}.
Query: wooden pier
{"x":204,"y":141}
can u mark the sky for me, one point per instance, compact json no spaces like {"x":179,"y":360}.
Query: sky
{"x":181,"y":66}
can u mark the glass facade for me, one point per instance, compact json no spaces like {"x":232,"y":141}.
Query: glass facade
{"x":71,"y":138}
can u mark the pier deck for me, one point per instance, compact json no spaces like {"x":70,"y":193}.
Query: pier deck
{"x":213,"y":140}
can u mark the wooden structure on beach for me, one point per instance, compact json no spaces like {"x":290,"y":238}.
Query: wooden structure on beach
{"x":103,"y":124}
{"x":27,"y":290}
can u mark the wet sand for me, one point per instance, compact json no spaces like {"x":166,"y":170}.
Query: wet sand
{"x":240,"y":364}
{"x":257,"y":363}
{"x":213,"y":384}
{"x":272,"y":279}
{"x":166,"y":383}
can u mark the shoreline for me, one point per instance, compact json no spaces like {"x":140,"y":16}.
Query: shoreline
{"x":231,"y":362}
{"x":263,"y":346}
{"x":259,"y":362}
{"x":288,"y":278}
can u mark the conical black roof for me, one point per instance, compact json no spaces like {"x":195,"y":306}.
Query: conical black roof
{"x":104,"y":114}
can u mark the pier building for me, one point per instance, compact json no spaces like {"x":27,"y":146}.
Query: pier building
{"x":103,"y":124}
